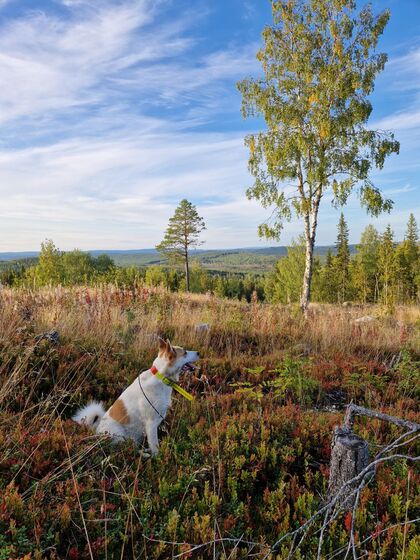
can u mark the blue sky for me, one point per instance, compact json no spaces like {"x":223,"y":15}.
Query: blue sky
{"x":111,"y":111}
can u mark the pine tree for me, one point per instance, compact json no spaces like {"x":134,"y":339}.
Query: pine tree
{"x":182,"y":233}
{"x":342,"y":261}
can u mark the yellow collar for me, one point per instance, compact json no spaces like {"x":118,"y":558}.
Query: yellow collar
{"x":171,"y":383}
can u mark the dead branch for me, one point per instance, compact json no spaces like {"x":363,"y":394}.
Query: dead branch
{"x":355,"y":410}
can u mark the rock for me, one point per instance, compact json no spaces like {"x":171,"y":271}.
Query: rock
{"x":365,"y":319}
{"x":202,"y":328}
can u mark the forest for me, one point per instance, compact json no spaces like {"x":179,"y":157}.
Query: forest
{"x":376,"y":270}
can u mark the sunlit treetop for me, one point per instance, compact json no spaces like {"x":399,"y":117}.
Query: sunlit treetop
{"x":319,"y":62}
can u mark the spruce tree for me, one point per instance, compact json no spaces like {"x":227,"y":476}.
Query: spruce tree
{"x":408,"y":257}
{"x":413,"y":255}
{"x":182,"y":233}
{"x":342,"y":261}
{"x":328,"y":280}
{"x":366,"y":265}
{"x":388,"y":267}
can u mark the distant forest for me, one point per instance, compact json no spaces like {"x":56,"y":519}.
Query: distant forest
{"x":377,"y":270}
{"x":238,"y":260}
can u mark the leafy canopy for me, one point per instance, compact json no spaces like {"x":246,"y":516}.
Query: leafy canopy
{"x":319,"y":63}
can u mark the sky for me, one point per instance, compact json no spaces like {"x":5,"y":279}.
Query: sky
{"x":112,"y":111}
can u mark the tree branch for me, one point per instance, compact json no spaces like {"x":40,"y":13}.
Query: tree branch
{"x":355,"y":410}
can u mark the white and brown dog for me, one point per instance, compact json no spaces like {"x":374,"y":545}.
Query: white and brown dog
{"x":144,"y":404}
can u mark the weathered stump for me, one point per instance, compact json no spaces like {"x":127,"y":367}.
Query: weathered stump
{"x":349,"y":456}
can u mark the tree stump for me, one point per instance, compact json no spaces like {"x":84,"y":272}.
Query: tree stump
{"x":349,"y":456}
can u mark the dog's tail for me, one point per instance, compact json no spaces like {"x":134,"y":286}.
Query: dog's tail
{"x":90,"y":415}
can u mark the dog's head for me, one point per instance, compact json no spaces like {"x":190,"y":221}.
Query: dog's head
{"x":172,"y":360}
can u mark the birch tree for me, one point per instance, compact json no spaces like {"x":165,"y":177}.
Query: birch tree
{"x":319,"y":63}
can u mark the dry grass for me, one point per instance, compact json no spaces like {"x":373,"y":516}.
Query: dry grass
{"x":103,"y":316}
{"x":231,"y":463}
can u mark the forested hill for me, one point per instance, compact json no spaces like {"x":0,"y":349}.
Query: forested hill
{"x":243,"y":259}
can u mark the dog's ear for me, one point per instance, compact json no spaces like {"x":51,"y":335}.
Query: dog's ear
{"x":170,"y":350}
{"x":162,"y":344}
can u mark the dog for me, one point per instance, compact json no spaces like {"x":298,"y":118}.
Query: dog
{"x":141,"y":408}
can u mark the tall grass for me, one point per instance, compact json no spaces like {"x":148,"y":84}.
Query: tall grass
{"x":244,"y":463}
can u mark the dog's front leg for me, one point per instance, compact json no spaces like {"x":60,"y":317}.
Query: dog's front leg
{"x":152,"y":437}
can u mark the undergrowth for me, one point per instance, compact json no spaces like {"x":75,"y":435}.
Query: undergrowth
{"x":244,"y":463}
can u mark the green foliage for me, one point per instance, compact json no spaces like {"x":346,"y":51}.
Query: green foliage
{"x":366,"y":273}
{"x":407,"y":255}
{"x":155,"y":276}
{"x":182,"y":233}
{"x":379,"y":271}
{"x":341,"y":263}
{"x":290,"y":381}
{"x":407,"y":373}
{"x":284,"y":285}
{"x":50,"y":267}
{"x":388,"y":267}
{"x":55,"y":267}
{"x":319,"y":62}
{"x":327,"y":280}
{"x":251,"y":460}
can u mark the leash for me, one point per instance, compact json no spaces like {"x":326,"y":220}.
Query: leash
{"x":148,"y":400}
{"x":169,"y":383}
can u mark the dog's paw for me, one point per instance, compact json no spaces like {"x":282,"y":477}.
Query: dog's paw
{"x":145,"y":452}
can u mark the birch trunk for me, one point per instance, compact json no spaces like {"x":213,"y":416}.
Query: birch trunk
{"x":310,"y":220}
{"x":307,"y":276}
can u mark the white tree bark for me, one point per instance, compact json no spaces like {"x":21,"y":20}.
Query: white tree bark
{"x":311,"y":221}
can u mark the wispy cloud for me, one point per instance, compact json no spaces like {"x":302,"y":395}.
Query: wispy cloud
{"x":63,"y":63}
{"x":400,"y":120}
{"x":405,"y":70}
{"x":111,"y":112}
{"x":400,"y":190}
{"x":127,"y":185}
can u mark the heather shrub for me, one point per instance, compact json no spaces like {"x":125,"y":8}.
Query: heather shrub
{"x":243,"y":464}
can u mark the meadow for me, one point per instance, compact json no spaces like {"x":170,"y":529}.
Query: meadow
{"x":239,"y":467}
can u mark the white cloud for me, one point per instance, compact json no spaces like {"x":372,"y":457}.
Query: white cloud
{"x":85,"y":160}
{"x":48,"y":63}
{"x":128,"y":186}
{"x":399,"y":190}
{"x":405,"y":70}
{"x":399,"y":121}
